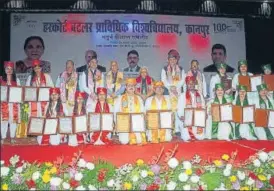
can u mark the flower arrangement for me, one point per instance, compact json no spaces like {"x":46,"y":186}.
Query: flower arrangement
{"x":256,"y":173}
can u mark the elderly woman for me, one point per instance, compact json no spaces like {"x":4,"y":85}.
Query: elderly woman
{"x":144,"y":84}
{"x":67,"y":82}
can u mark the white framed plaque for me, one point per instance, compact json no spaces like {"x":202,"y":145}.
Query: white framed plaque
{"x":199,"y":118}
{"x":166,"y":119}
{"x":30,"y":94}
{"x":271,"y":119}
{"x":51,"y":126}
{"x":94,"y":122}
{"x":137,"y":122}
{"x":4,"y":93}
{"x":248,"y":114}
{"x":43,"y":94}
{"x":36,"y":126}
{"x":226,"y":112}
{"x":15,"y":94}
{"x":80,"y":124}
{"x":188,"y":117}
{"x":254,"y":82}
{"x":65,"y":125}
{"x":107,"y":121}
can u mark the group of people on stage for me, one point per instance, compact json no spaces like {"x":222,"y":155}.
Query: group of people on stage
{"x":91,"y":90}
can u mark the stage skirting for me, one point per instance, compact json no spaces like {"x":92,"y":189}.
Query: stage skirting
{"x":121,"y":154}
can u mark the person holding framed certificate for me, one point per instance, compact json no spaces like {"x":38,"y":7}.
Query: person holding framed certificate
{"x":157,"y":103}
{"x":243,"y":71}
{"x":245,"y":130}
{"x":101,"y":106}
{"x":10,"y":112}
{"x":264,"y":102}
{"x":38,"y":79}
{"x":78,"y":110}
{"x":192,"y":98}
{"x":218,"y":130}
{"x":268,"y":71}
{"x":130,"y":103}
{"x":54,"y":109}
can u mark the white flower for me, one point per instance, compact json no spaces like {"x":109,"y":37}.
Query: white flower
{"x":183,"y":177}
{"x":194,"y":178}
{"x":171,"y":185}
{"x":187,"y":187}
{"x":91,"y":187}
{"x":4,"y":171}
{"x":110,"y":183}
{"x":227,"y":172}
{"x":263,"y":156}
{"x":33,"y":189}
{"x":173,"y":163}
{"x":187,"y":165}
{"x":135,"y":178}
{"x":229,"y":166}
{"x":90,"y":166}
{"x":256,"y":163}
{"x":144,"y":173}
{"x":36,"y":176}
{"x":14,"y":160}
{"x":241,"y":175}
{"x":222,"y":187}
{"x":19,"y":169}
{"x":81,"y":163}
{"x":80,"y":188}
{"x":250,"y":181}
{"x":268,"y":176}
{"x":55,"y":181}
{"x":78,"y":176}
{"x":66,"y":185}
{"x":118,"y":185}
{"x":2,"y":162}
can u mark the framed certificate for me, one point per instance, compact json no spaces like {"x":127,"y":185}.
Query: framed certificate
{"x":65,"y":125}
{"x":153,"y":119}
{"x":94,"y":121}
{"x":245,"y":81}
{"x":166,"y":119}
{"x":4,"y":93}
{"x":123,"y":122}
{"x":261,"y":118}
{"x":138,"y":122}
{"x":51,"y":126}
{"x":215,"y":112}
{"x":226,"y":112}
{"x":269,"y":80}
{"x":107,"y":121}
{"x":43,"y":94}
{"x":188,"y":118}
{"x":255,"y":81}
{"x":80,"y":124}
{"x":199,"y":117}
{"x":271,"y":119}
{"x":15,"y":94}
{"x":243,"y":115}
{"x":30,"y":94}
{"x":36,"y":126}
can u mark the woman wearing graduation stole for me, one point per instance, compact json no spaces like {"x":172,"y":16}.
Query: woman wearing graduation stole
{"x":264,"y":102}
{"x":218,"y":130}
{"x":243,"y":131}
{"x":242,"y":67}
{"x":268,"y":71}
{"x":79,"y":109}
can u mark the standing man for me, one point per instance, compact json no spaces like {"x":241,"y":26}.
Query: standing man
{"x":88,"y":56}
{"x":132,"y":59}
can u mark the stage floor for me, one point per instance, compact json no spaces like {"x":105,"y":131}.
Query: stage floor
{"x":121,"y":154}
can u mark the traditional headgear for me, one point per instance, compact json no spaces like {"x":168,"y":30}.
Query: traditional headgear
{"x":242,"y":87}
{"x":101,"y":90}
{"x":221,"y":65}
{"x":8,"y":64}
{"x":131,"y":81}
{"x":219,"y":85}
{"x":242,"y":62}
{"x":158,"y":84}
{"x":54,"y":91}
{"x":36,"y":62}
{"x":173,"y":54}
{"x":266,"y":67}
{"x":190,"y":78}
{"x":261,"y":87}
{"x":80,"y":94}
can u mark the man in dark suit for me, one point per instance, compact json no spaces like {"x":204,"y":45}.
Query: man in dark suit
{"x":132,"y":59}
{"x":88,"y":56}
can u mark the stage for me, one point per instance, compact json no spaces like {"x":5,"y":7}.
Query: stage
{"x":121,"y":154}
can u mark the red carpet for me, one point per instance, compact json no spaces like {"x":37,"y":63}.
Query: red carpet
{"x":121,"y":154}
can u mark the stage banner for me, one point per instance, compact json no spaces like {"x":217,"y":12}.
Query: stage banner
{"x":63,"y":37}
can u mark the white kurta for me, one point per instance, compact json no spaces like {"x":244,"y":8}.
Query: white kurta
{"x":200,"y":87}
{"x":181,"y":111}
{"x":124,"y":137}
{"x":168,"y":136}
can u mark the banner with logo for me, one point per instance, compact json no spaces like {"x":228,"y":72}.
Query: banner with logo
{"x":112,"y":36}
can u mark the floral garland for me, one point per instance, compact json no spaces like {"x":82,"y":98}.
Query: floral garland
{"x":169,"y":174}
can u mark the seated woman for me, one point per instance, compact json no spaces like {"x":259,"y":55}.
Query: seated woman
{"x":53,"y":109}
{"x":218,"y":130}
{"x":243,"y":131}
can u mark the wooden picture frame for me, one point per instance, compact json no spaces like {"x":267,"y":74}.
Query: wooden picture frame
{"x":15,"y":90}
{"x":30,"y":130}
{"x":30,"y":89}
{"x":153,"y":119}
{"x":60,"y":130}
{"x":238,"y":114}
{"x":51,"y":121}
{"x":81,"y":119}
{"x":269,"y":81}
{"x":245,"y":81}
{"x":123,"y":118}
{"x":261,"y":117}
{"x":215,"y":112}
{"x":91,"y":123}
